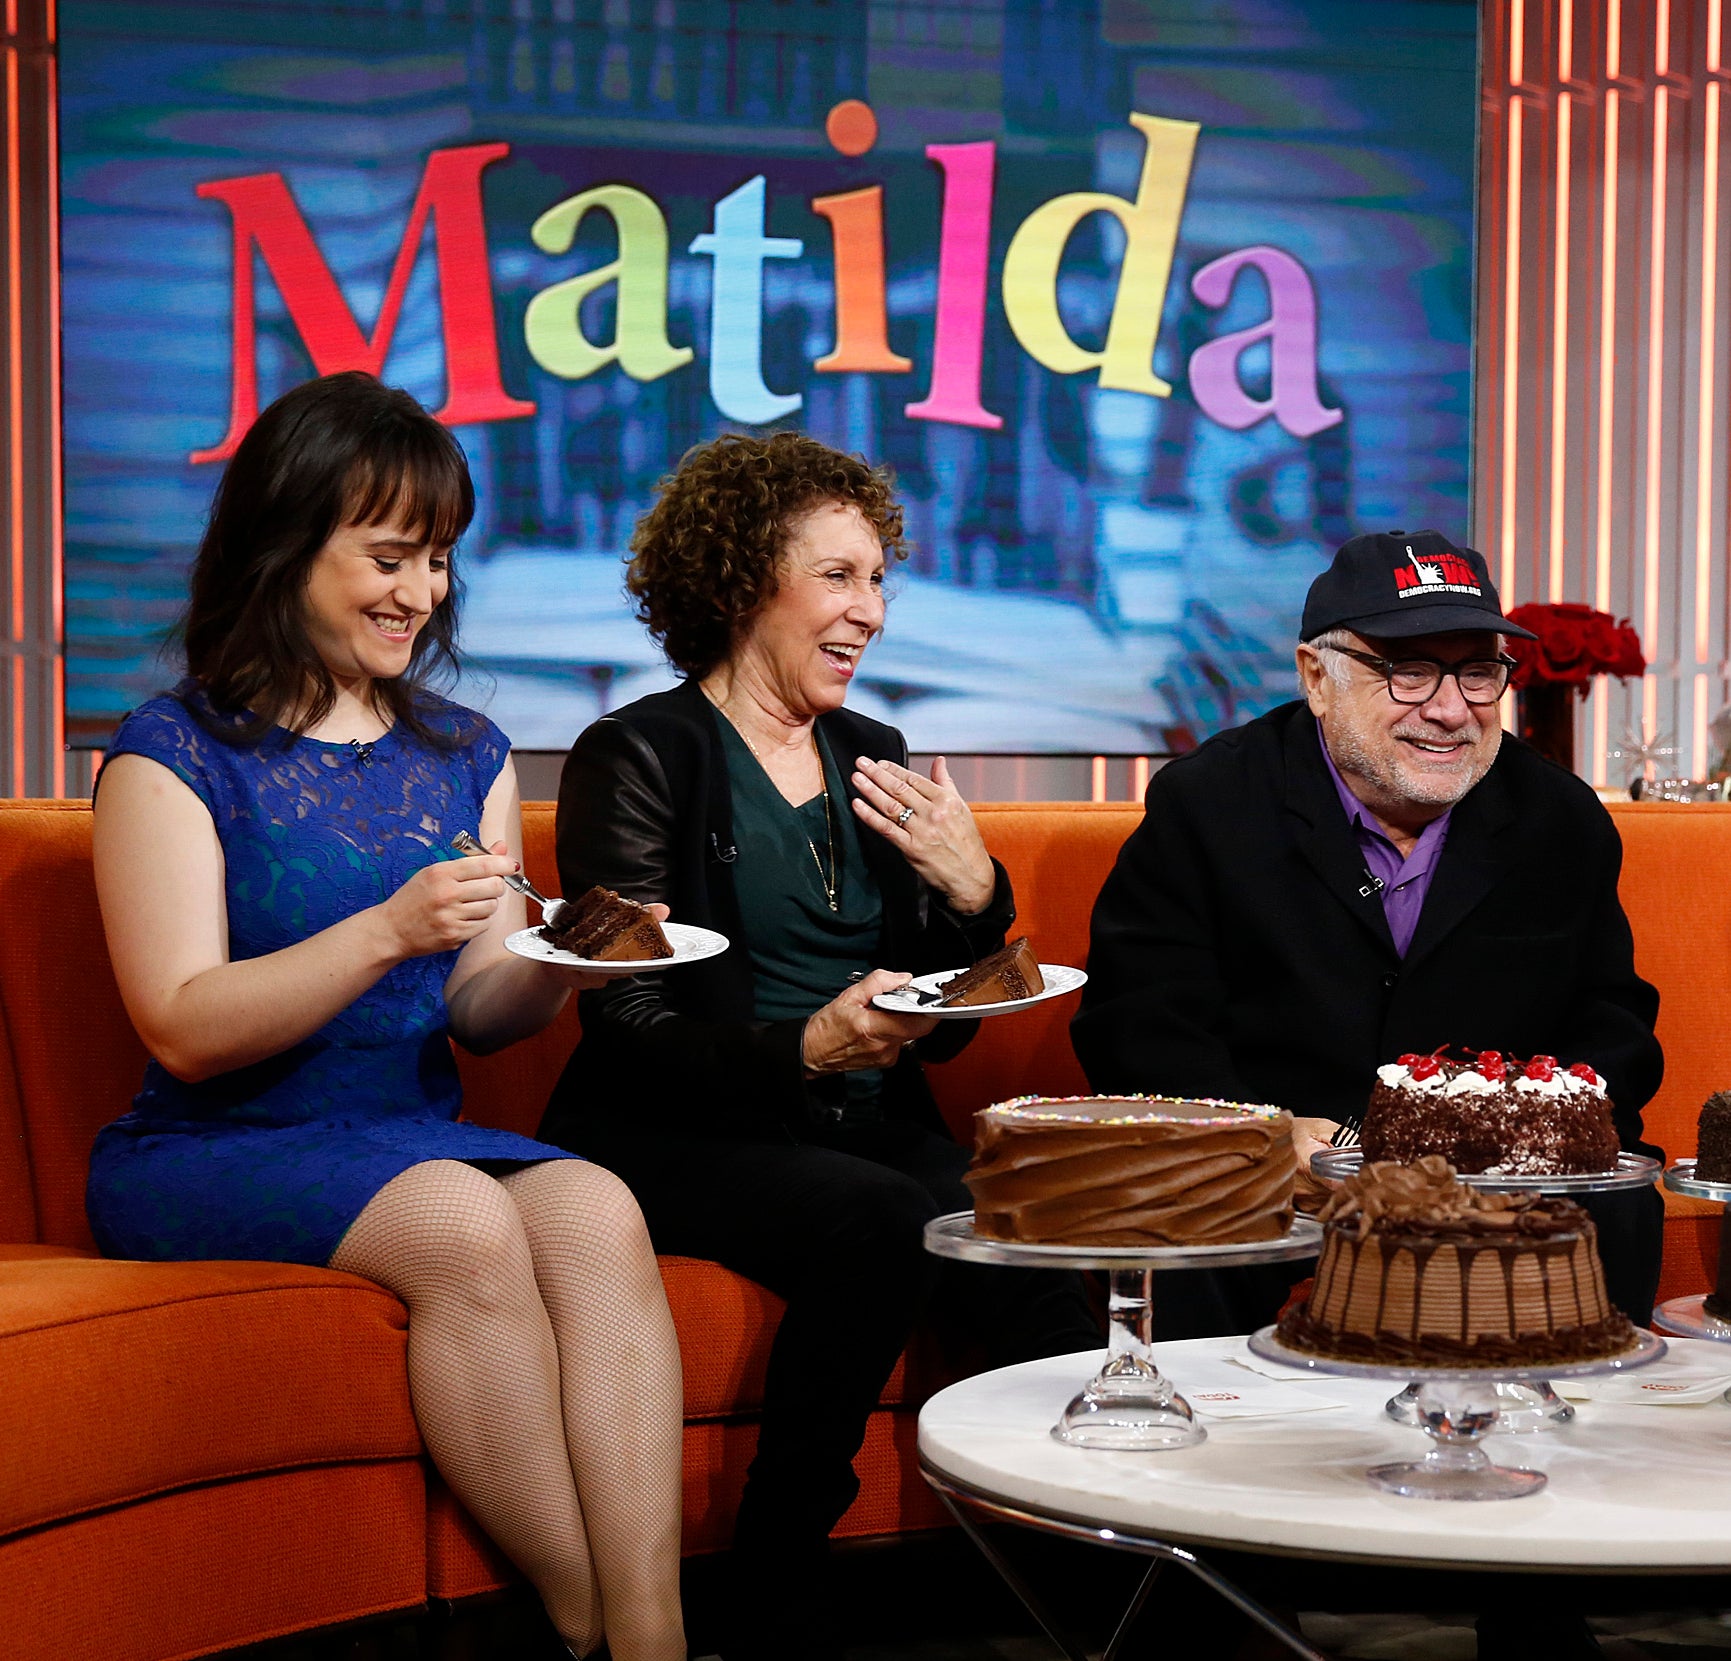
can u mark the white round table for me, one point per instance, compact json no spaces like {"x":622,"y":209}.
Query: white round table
{"x":1632,"y":1489}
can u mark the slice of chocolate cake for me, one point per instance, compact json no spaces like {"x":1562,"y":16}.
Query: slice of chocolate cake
{"x":999,"y":979}
{"x":1713,"y":1139}
{"x":605,"y":928}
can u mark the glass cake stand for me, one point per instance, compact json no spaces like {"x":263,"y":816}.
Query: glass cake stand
{"x":1688,"y":1317}
{"x":1457,"y":1406}
{"x":1527,"y":1405}
{"x":1129,"y":1405}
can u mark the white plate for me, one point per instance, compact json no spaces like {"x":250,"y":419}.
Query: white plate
{"x":690,"y":945}
{"x":903,"y":1001}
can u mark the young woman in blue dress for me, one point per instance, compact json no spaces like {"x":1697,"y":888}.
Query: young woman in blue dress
{"x":297,"y":946}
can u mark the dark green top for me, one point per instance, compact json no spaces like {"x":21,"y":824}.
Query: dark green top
{"x":802,"y":953}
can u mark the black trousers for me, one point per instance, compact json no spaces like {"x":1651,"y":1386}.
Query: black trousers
{"x":1215,"y":1303}
{"x":834,"y":1228}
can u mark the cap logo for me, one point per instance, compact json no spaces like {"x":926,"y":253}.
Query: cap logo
{"x":1440,"y":574}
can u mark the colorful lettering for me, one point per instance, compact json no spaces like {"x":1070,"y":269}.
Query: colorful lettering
{"x":265,"y":215}
{"x":1291,"y":333}
{"x":958,"y":348}
{"x":739,"y":248}
{"x":856,"y":219}
{"x":553,"y":327}
{"x":1151,"y":229}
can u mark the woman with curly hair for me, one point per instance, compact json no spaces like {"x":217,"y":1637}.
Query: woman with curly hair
{"x":763,"y":1111}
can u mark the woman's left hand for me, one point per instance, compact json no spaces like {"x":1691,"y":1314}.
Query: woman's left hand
{"x":928,"y":820}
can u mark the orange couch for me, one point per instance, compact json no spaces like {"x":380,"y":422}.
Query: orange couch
{"x":199,"y":1456}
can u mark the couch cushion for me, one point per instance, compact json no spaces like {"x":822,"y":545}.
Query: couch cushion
{"x":77,"y":1060}
{"x":220,"y":1566}
{"x":128,"y":1379}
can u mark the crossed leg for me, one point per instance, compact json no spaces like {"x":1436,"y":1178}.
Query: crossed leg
{"x":491,"y":1382}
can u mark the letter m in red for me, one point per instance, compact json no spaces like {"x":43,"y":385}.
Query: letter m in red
{"x":265,"y":216}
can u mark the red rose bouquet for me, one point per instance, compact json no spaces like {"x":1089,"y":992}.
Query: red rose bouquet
{"x":1575,"y":643}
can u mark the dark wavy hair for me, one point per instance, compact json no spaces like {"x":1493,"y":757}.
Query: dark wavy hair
{"x":340,"y":450}
{"x":704,"y":558}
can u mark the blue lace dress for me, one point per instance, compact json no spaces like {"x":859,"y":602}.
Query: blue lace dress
{"x":276,"y":1160}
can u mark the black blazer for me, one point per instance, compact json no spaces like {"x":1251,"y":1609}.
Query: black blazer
{"x":646,"y":808}
{"x":1235,"y":954}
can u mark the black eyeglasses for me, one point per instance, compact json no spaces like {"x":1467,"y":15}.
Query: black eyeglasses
{"x":1417,"y":680}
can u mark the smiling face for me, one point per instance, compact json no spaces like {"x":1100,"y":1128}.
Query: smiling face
{"x":370,"y":590}
{"x":1407,"y":763}
{"x":803,"y":644}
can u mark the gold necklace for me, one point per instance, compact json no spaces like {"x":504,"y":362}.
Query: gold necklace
{"x":826,"y":882}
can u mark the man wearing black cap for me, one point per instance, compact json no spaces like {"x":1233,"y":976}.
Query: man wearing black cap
{"x":1371,"y":871}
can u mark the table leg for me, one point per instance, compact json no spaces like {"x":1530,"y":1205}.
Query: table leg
{"x":957,"y":1502}
{"x":1047,"y":1623}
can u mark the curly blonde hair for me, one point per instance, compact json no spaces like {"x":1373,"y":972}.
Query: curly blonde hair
{"x":704,"y":558}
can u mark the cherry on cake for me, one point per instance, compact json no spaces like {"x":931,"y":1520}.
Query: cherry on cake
{"x":1131,"y":1171}
{"x":1005,"y":977}
{"x":603,"y":927}
{"x":1417,"y":1269}
{"x":1492,"y":1115}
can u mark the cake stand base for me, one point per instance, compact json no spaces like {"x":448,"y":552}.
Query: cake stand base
{"x":1456,"y":1407}
{"x":1129,"y":1407}
{"x":1686,"y":1318}
{"x":1455,"y":1474}
{"x":1521,"y":1408}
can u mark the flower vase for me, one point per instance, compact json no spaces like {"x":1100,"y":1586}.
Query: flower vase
{"x":1545,"y":718}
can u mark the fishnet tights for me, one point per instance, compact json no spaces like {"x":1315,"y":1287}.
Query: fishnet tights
{"x":545,"y":1378}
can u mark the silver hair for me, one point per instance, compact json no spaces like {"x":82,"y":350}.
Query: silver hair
{"x":1329,"y":645}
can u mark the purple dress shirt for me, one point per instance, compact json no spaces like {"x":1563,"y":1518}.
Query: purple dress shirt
{"x":1405,"y":882}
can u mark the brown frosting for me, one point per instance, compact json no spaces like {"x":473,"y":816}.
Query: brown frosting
{"x":1132,"y":1170}
{"x":1418,"y":1268}
{"x":1426,"y":1198}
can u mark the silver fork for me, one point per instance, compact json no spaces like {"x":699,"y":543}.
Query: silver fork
{"x":464,"y":843}
{"x":1345,"y":1136}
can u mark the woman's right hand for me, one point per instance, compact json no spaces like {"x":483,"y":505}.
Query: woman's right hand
{"x":445,"y":905}
{"x":850,"y":1032}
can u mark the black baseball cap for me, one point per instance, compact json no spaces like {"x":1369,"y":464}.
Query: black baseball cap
{"x":1393,"y":585}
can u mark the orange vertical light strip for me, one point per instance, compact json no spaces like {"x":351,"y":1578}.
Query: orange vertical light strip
{"x":1560,"y":343}
{"x":56,"y":484}
{"x":1098,"y":782}
{"x":1566,"y":40}
{"x":15,"y":346}
{"x":1607,"y":347}
{"x":1705,"y":468}
{"x":1698,"y":757}
{"x":1511,"y":340}
{"x":1139,"y":771}
{"x":1517,"y":42}
{"x":1662,"y":39}
{"x":1613,"y":39}
{"x":1655,"y":376}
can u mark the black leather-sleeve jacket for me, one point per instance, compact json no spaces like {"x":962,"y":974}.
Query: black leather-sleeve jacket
{"x":646,"y":809}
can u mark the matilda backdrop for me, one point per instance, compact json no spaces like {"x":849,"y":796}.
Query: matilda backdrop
{"x":1149,"y":303}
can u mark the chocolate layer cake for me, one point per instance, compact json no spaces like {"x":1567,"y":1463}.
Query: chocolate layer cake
{"x":604,"y":928}
{"x":1713,"y":1139}
{"x":1491,"y":1115}
{"x":999,"y":979}
{"x":1418,"y":1269}
{"x":1131,"y":1171}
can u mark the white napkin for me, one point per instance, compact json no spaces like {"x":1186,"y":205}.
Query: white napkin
{"x":1692,"y":1371}
{"x":1281,"y":1370}
{"x":1218,"y":1389}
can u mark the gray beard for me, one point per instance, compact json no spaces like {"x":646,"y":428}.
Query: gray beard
{"x":1351,"y":756}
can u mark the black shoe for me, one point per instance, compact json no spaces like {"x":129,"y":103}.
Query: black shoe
{"x":1524,"y":1635}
